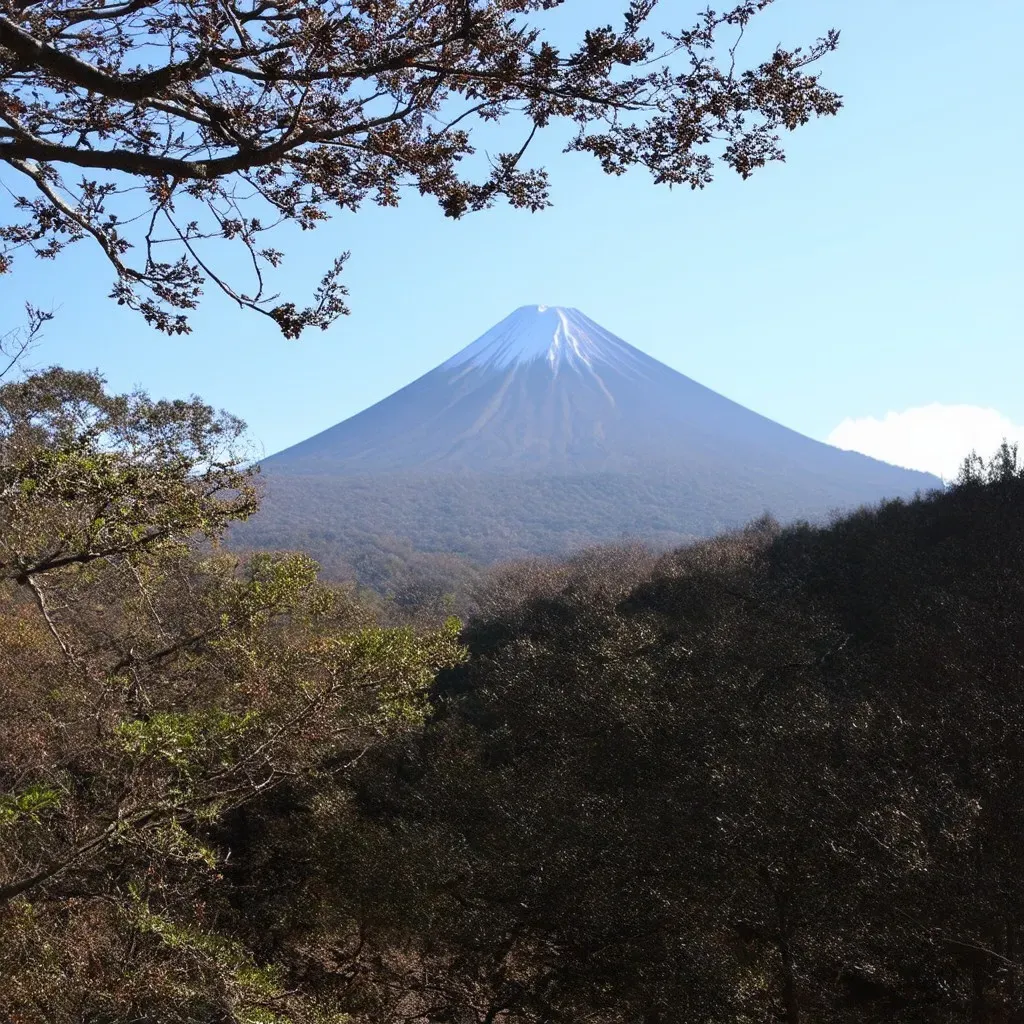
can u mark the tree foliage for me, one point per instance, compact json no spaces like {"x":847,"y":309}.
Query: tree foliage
{"x":159,"y":129}
{"x":148,"y":691}
{"x":771,"y":776}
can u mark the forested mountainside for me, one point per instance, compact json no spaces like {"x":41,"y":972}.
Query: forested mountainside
{"x":388,"y":531}
{"x":771,"y":775}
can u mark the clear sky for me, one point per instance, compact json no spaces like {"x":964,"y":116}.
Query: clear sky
{"x":870,"y":290}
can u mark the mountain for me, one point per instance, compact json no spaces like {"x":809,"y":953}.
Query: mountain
{"x":547,"y":433}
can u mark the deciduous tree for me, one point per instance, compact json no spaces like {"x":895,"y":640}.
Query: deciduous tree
{"x":157,"y":129}
{"x":147,"y":692}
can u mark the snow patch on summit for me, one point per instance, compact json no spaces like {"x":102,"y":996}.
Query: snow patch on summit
{"x":560,"y":335}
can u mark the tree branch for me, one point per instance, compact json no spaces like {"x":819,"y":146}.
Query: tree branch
{"x":41,"y":604}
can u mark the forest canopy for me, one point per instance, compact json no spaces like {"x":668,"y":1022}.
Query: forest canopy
{"x":150,"y":690}
{"x":774,"y":775}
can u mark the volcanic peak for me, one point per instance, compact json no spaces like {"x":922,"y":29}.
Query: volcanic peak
{"x":545,"y":434}
{"x":560,"y":335}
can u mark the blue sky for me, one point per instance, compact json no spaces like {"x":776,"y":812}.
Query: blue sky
{"x":874,"y":281}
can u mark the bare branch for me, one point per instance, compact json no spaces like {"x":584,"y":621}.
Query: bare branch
{"x":320,"y":109}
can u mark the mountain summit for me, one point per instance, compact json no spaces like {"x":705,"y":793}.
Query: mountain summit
{"x":558,"y":335}
{"x":549,"y":432}
{"x":545,"y":388}
{"x":549,"y":390}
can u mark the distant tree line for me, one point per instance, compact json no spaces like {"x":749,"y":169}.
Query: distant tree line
{"x":771,"y":776}
{"x":405,"y":535}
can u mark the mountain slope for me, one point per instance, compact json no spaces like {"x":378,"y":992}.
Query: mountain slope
{"x":547,"y":433}
{"x":549,"y":390}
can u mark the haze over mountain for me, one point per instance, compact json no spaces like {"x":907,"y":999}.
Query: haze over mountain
{"x":547,"y":433}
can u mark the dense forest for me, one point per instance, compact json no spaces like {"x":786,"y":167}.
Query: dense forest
{"x":361,"y":527}
{"x":774,"y":775}
{"x":412,"y":535}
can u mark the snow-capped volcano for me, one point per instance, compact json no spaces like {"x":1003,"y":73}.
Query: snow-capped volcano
{"x":558,"y":335}
{"x":547,"y":389}
{"x":549,"y":425}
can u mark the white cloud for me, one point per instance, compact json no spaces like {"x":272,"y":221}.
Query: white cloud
{"x":934,"y":438}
